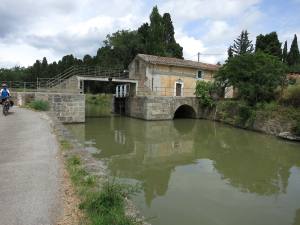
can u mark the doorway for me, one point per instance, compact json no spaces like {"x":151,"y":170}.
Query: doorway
{"x":178,"y":89}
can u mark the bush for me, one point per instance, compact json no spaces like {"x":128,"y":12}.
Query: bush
{"x":267,"y":106}
{"x":204,"y":91}
{"x":39,"y":105}
{"x":291,"y":95}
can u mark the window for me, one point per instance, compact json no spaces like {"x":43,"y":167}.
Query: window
{"x":137,"y":66}
{"x":200,"y":74}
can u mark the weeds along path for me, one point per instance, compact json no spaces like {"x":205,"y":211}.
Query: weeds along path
{"x":29,"y":169}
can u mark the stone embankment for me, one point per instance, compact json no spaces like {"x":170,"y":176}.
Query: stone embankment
{"x":67,"y":107}
{"x":268,"y":122}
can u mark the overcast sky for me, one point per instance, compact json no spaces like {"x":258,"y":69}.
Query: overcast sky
{"x":31,"y":29}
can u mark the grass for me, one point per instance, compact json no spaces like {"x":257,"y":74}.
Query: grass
{"x":39,"y":105}
{"x":65,"y":145}
{"x":102,"y":204}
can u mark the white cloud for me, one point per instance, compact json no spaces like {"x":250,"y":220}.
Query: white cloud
{"x":57,"y":28}
{"x":206,"y":9}
{"x":30,"y":29}
{"x":22,"y":55}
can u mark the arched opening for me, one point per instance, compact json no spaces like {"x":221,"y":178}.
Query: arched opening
{"x":184,"y":111}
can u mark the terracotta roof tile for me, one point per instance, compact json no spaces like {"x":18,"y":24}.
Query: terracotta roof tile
{"x":177,"y":62}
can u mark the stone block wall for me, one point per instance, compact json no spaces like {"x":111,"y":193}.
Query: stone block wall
{"x":68,"y":107}
{"x":158,"y":108}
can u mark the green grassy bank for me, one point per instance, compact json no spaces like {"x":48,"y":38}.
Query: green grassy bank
{"x":103,"y":203}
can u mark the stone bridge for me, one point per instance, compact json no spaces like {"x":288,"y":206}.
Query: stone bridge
{"x":162,"y":108}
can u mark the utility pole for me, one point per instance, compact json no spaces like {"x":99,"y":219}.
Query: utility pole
{"x":198,"y":56}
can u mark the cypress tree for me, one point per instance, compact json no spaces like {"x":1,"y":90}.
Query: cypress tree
{"x":143,"y":35}
{"x":156,"y":34}
{"x":284,"y":53}
{"x":242,"y":44}
{"x":294,"y":55}
{"x":171,"y":47}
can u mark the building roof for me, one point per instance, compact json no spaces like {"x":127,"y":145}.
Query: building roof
{"x":177,"y":62}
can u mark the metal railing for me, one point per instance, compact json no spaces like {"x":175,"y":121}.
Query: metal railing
{"x":62,"y":81}
{"x":166,"y":91}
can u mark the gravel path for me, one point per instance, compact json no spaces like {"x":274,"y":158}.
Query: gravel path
{"x":29,"y":170}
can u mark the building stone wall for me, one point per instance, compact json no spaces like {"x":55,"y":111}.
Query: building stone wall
{"x":68,"y":107}
{"x":158,"y":108}
{"x":160,"y":80}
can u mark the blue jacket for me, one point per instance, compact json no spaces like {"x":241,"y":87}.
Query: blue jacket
{"x":4,"y":93}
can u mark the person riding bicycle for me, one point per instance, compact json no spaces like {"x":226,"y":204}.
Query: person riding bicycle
{"x":4,"y":93}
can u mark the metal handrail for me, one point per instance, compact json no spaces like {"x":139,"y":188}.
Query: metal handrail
{"x":166,"y":91}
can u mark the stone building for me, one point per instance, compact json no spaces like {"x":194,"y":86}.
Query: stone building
{"x":164,"y":76}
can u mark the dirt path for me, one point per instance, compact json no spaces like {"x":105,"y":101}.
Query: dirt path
{"x":29,"y":170}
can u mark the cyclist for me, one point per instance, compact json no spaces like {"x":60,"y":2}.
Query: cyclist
{"x":4,"y":93}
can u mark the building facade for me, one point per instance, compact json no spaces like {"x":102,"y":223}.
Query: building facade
{"x":164,"y":76}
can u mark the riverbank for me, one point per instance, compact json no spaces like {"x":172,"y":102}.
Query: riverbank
{"x":101,"y":199}
{"x":269,"y":118}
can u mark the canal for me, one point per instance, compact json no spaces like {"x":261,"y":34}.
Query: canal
{"x":196,"y":172}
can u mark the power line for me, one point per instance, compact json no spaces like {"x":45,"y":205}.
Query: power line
{"x":199,"y":53}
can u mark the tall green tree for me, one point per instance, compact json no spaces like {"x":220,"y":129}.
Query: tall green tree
{"x":171,"y":47}
{"x":256,"y":76}
{"x":156,"y":33}
{"x":284,"y":53}
{"x":242,"y":44}
{"x":294,"y":55}
{"x":143,"y":35}
{"x":269,"y":44}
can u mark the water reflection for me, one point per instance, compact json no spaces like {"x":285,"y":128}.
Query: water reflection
{"x":156,"y":153}
{"x":297,"y":218}
{"x":150,"y":151}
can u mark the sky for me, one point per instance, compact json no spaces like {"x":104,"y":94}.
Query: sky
{"x":30,"y":29}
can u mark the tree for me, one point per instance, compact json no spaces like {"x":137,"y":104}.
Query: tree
{"x":36,"y":69}
{"x":143,"y":35}
{"x":284,"y":53}
{"x":171,"y":47}
{"x":242,"y":44}
{"x":294,"y":55}
{"x":44,"y":68}
{"x":256,"y":76}
{"x":88,"y":60}
{"x":269,"y":44}
{"x":230,"y":52}
{"x":157,"y":38}
{"x":156,"y":33}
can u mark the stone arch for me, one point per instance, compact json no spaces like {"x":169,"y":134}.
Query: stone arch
{"x":185,"y":111}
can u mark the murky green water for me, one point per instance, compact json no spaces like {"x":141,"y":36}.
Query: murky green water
{"x":196,"y":172}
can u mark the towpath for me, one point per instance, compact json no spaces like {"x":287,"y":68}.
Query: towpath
{"x":29,"y":170}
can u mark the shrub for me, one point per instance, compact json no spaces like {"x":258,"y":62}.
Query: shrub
{"x":204,"y":91}
{"x":39,"y":105}
{"x":267,"y":106}
{"x":291,"y":95}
